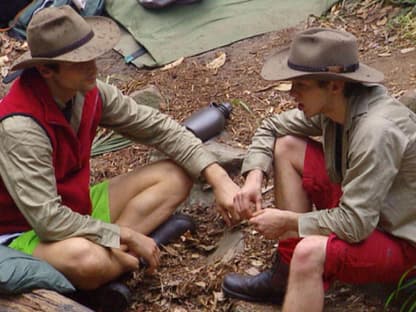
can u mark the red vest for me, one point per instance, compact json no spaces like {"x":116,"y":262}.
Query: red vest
{"x":30,"y":96}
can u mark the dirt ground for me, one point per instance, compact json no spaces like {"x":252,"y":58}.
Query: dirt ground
{"x":184,"y":282}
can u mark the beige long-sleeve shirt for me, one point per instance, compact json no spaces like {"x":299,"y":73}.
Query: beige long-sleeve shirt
{"x":378,"y":165}
{"x":27,"y":171}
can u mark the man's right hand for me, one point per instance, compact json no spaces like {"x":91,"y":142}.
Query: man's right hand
{"x":249,"y":198}
{"x":140,"y":245}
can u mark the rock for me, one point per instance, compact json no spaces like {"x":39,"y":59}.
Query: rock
{"x":409,"y":99}
{"x":149,"y":96}
{"x":199,"y":196}
{"x":230,"y":245}
{"x":231,"y":158}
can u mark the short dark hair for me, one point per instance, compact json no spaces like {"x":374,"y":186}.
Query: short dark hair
{"x":349,"y":89}
{"x":52,"y":66}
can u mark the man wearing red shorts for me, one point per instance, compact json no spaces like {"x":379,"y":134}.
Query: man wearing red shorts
{"x":346,"y":207}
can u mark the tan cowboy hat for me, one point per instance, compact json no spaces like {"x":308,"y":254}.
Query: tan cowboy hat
{"x":320,"y":53}
{"x":61,"y":34}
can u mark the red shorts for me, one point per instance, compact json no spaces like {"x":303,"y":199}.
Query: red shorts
{"x":380,"y":258}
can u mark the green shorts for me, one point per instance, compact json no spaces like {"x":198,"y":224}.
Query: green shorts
{"x":27,"y":241}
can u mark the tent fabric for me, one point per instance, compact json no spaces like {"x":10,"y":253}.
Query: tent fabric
{"x":185,"y":30}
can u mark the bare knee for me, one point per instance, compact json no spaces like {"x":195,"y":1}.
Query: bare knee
{"x":178,"y":180}
{"x":289,"y":145}
{"x":290,"y":150}
{"x":87,"y":264}
{"x":309,"y":256}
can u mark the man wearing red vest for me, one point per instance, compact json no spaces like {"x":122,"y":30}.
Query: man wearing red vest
{"x":91,"y":235}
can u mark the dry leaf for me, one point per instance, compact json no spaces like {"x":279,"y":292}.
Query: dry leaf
{"x":4,"y":71}
{"x":256,"y":263}
{"x":407,"y":50}
{"x":252,"y":271}
{"x":219,"y":296}
{"x":201,"y":284}
{"x":3,"y":60}
{"x":174,"y":64}
{"x":207,"y":247}
{"x":217,"y":62}
{"x":382,"y":21}
{"x":284,"y":86}
{"x":384,"y":54}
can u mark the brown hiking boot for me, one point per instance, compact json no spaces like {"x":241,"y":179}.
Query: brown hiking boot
{"x":267,"y":286}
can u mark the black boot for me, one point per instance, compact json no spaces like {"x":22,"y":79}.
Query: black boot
{"x":115,"y":297}
{"x":267,"y":286}
{"x":112,"y":297}
{"x":173,"y":228}
{"x":170,"y":230}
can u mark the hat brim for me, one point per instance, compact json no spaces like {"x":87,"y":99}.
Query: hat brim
{"x":276,"y":68}
{"x":106,"y":36}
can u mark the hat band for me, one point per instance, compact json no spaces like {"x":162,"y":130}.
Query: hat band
{"x":68,"y":48}
{"x":333,"y":69}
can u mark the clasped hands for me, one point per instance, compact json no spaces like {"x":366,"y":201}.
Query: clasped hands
{"x":247,"y":205}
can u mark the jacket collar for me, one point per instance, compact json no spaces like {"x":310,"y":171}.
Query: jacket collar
{"x":358,"y":103}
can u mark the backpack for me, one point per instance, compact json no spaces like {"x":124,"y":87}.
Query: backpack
{"x":9,"y":9}
{"x":92,"y":7}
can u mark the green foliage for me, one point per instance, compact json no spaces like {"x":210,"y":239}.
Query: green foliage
{"x":236,"y":102}
{"x":404,"y":293}
{"x":405,"y":21}
{"x":108,"y":141}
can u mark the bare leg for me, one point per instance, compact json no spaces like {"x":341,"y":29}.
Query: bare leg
{"x":305,"y":290}
{"x":146,"y":197}
{"x":141,"y":200}
{"x":289,"y":155}
{"x":86,"y":264}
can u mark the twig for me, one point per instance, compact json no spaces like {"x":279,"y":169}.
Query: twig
{"x":267,"y":189}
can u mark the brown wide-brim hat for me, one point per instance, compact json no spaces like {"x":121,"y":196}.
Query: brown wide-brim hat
{"x":320,"y":53}
{"x":61,"y":34}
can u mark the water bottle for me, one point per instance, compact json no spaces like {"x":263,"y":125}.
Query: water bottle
{"x":209,"y":121}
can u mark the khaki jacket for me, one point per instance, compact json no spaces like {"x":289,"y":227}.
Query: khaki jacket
{"x":378,"y":165}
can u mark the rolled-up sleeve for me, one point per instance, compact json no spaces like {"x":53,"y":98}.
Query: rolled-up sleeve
{"x":260,"y":151}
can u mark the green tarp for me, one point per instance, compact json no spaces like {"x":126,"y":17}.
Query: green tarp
{"x":184,"y":30}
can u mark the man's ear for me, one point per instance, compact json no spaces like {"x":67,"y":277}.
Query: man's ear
{"x":337,"y":86}
{"x":44,"y":71}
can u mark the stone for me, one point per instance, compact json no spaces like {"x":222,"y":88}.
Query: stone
{"x":201,"y":195}
{"x":230,"y":245}
{"x":149,"y":96}
{"x":409,"y":99}
{"x":230,"y":158}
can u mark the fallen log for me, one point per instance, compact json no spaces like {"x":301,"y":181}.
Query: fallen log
{"x":40,"y":300}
